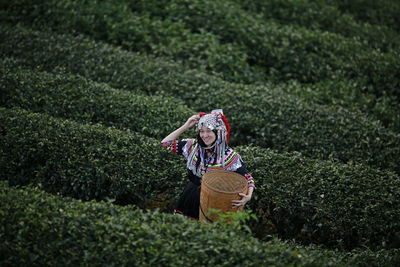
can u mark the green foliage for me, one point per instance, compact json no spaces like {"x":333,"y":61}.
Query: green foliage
{"x":39,"y":229}
{"x":268,"y":118}
{"x":317,"y":79}
{"x":83,"y":161}
{"x":288,"y":52}
{"x":259,"y":114}
{"x":383,"y":12}
{"x":76,"y":98}
{"x":318,"y":15}
{"x":221,"y":38}
{"x":95,"y":162}
{"x":116,"y":24}
{"x":82,"y":56}
{"x":346,"y":94}
{"x":46,"y":230}
{"x":323,"y":202}
{"x":376,"y":259}
{"x":237,"y":221}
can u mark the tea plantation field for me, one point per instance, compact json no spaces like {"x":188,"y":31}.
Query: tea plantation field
{"x":89,"y":88}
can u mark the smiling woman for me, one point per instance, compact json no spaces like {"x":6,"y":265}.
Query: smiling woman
{"x":208,"y":136}
{"x":208,"y":152}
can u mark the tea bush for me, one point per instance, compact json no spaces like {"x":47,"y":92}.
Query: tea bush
{"x":288,"y":52}
{"x":381,"y":13}
{"x":93,"y":60}
{"x":96,"y":162}
{"x":47,"y":230}
{"x":125,"y":70}
{"x":268,"y":118}
{"x":310,"y":86}
{"x":277,"y":120}
{"x":116,"y":24}
{"x":83,"y":161}
{"x":324,"y":202}
{"x":346,"y":94}
{"x":76,"y":98}
{"x":247,"y":47}
{"x":318,"y":15}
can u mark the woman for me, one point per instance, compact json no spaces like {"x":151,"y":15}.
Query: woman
{"x":209,"y":151}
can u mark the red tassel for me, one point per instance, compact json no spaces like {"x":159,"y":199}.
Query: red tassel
{"x":228,"y":127}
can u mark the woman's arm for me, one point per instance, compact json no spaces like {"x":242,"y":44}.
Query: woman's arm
{"x":250,"y":187}
{"x":245,"y":198}
{"x":250,"y":192}
{"x":188,"y":124}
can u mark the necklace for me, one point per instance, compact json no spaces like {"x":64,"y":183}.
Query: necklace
{"x":213,"y":145}
{"x":205,"y":167}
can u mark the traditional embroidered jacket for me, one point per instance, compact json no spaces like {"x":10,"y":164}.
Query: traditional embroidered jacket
{"x":231,"y":161}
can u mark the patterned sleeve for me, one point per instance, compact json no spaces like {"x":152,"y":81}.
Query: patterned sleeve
{"x":243,"y":171}
{"x":175,"y":146}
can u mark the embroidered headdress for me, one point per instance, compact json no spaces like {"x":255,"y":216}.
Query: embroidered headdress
{"x":215,"y":121}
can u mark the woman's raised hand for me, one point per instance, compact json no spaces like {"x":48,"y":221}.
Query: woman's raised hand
{"x":191,"y":121}
{"x":188,"y":124}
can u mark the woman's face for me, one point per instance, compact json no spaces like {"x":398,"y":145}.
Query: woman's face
{"x":207,"y":135}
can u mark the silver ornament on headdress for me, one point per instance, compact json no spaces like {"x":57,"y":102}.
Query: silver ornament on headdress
{"x":212,"y":121}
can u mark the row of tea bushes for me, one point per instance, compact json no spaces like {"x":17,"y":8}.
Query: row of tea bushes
{"x":265,"y":116}
{"x":375,"y":12}
{"x":346,"y":94}
{"x":124,"y":70}
{"x":79,"y":55}
{"x":269,"y":118}
{"x":76,"y":98}
{"x":288,"y":52}
{"x":324,"y":202}
{"x":318,"y":15}
{"x":83,"y":161}
{"x":302,"y":197}
{"x":40,"y":229}
{"x":281,"y":52}
{"x":114,"y":23}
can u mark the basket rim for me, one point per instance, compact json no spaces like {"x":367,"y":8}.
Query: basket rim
{"x":223,"y":191}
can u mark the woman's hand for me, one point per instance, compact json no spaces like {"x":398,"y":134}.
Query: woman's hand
{"x":188,"y":124}
{"x":191,"y":121}
{"x":243,"y":201}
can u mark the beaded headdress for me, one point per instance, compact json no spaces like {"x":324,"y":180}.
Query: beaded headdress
{"x":215,"y":121}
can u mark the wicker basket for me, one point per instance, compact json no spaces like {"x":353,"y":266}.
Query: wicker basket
{"x":218,"y":189}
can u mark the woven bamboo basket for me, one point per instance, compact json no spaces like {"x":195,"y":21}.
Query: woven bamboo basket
{"x":218,"y":189}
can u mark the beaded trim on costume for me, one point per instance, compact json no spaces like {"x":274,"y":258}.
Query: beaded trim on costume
{"x":231,"y":162}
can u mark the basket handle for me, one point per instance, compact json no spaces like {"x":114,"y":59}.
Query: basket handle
{"x":208,"y":219}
